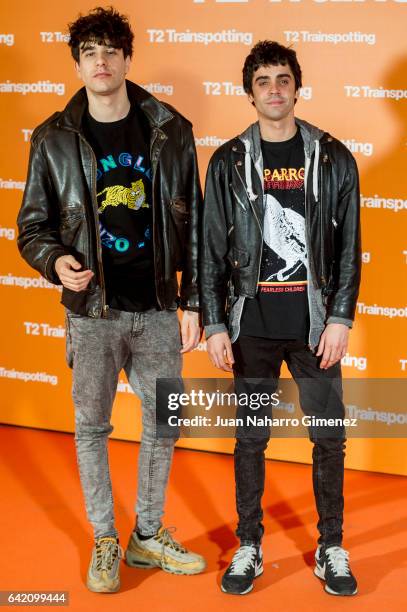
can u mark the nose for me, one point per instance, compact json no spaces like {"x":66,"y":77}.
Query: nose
{"x":100,"y":60}
{"x":273,"y":88}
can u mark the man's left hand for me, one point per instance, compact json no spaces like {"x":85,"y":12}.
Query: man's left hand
{"x":190,"y":331}
{"x":333,"y":344}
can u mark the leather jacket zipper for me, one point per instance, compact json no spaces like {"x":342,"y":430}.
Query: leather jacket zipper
{"x":154,"y":163}
{"x":323,"y":280}
{"x":98,"y":240}
{"x":307,"y":210}
{"x":261,"y":250}
{"x":260,"y":228}
{"x":310,"y":266}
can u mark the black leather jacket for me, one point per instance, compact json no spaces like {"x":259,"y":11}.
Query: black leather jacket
{"x":233,"y":226}
{"x":59,"y":214}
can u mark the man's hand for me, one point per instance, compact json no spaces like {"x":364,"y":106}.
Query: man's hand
{"x":333,"y":344}
{"x":220,"y":351}
{"x":190,"y":331}
{"x":65,"y":267}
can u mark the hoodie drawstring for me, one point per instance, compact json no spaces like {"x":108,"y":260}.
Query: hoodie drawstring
{"x":248,"y":172}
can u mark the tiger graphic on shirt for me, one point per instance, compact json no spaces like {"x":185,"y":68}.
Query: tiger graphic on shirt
{"x":133,"y":197}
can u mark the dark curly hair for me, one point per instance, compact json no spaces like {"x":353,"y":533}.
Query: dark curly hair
{"x":101,"y":25}
{"x":266,"y":53}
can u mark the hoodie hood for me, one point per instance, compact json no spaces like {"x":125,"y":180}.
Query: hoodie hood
{"x":251,"y":139}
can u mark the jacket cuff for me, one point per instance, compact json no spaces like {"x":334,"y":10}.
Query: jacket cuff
{"x":347,"y":322}
{"x":190,"y":308}
{"x":189,"y":301}
{"x":216,"y":328}
{"x":50,"y":272}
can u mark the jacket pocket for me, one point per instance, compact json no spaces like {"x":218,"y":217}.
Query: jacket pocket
{"x":71,"y":228}
{"x":71,"y":219}
{"x":178,"y":229}
{"x":70,"y":212}
{"x":238,"y":258}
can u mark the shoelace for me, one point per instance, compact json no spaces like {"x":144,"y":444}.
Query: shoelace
{"x":243,"y":558}
{"x":338,"y":559}
{"x":107,"y":550}
{"x":166,"y":540}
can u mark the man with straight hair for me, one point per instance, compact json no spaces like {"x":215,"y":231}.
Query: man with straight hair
{"x":280,"y":267}
{"x":110,"y":211}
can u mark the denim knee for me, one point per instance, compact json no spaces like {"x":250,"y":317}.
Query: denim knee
{"x":90,"y":431}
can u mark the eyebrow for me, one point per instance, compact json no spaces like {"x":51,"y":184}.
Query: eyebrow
{"x":278,"y":76}
{"x":88,"y":45}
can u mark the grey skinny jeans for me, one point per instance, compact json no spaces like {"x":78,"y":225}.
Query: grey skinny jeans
{"x":146,"y":344}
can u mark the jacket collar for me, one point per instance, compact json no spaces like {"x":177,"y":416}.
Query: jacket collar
{"x":310,"y":134}
{"x":156,"y":112}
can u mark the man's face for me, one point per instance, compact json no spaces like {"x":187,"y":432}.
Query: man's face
{"x":273,"y":92}
{"x":101,"y":67}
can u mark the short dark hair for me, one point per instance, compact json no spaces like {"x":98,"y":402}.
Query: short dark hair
{"x":101,"y":25}
{"x":266,"y":53}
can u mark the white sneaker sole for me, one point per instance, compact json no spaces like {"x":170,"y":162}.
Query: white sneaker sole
{"x":321,"y":574}
{"x":257,"y":574}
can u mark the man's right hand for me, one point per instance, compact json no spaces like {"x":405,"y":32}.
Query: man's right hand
{"x":220,"y":351}
{"x":66,"y":267}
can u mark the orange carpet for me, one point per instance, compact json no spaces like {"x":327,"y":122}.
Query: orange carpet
{"x":46,"y":540}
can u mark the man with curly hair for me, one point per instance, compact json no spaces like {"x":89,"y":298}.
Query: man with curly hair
{"x":110,"y":211}
{"x":280,"y":266}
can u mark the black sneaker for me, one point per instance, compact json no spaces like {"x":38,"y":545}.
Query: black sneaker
{"x":247,"y":564}
{"x":332,"y":565}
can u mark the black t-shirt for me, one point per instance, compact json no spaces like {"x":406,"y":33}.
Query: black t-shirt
{"x":280,"y":308}
{"x":124,"y":194}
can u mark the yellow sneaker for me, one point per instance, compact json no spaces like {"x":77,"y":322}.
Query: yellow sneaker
{"x":103,"y":573}
{"x":161,"y":550}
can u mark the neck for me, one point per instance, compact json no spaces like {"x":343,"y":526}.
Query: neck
{"x":111,"y":107}
{"x":277,"y":131}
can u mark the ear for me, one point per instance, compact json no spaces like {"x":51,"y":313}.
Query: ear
{"x":78,"y":70}
{"x":127,"y":63}
{"x":250,"y":98}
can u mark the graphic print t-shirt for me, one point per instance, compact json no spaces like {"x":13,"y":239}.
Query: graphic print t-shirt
{"x":280,"y":308}
{"x":124,"y":196}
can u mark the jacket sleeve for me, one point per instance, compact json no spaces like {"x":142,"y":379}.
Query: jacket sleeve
{"x":38,"y":220}
{"x":214,"y":268}
{"x":189,"y":291}
{"x":348,"y":256}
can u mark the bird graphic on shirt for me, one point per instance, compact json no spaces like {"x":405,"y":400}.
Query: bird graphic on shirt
{"x":284,"y":233}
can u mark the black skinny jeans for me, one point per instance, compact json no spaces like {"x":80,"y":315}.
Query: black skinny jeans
{"x":261,"y":358}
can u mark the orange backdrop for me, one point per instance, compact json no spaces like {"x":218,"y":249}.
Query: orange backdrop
{"x":190,"y":53}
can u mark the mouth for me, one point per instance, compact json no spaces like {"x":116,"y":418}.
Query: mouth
{"x":102,"y":75}
{"x":275,"y":102}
